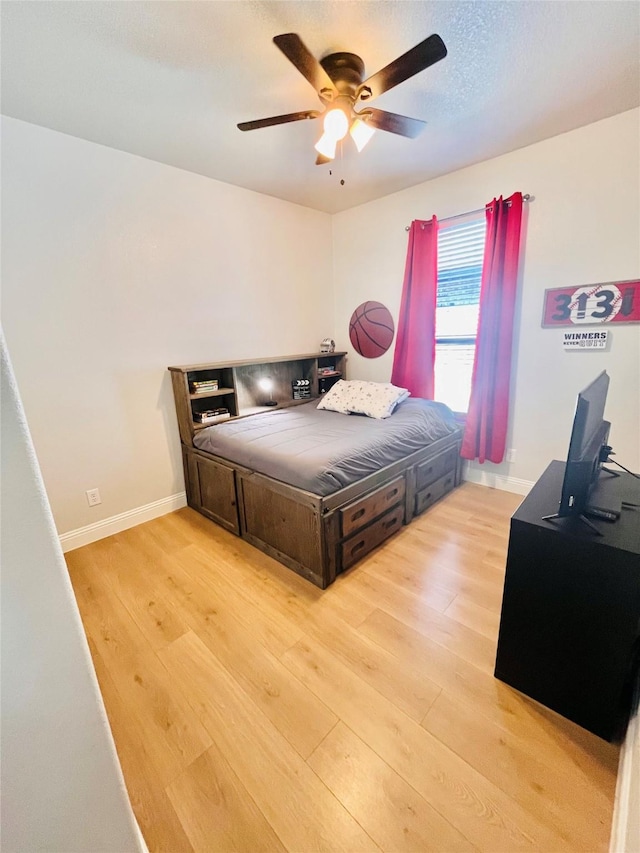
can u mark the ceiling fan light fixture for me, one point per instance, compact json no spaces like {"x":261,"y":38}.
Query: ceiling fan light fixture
{"x":326,"y":146}
{"x":337,"y":80}
{"x":361,"y":133}
{"x":336,"y":124}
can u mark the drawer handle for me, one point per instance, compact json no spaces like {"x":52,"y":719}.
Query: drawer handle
{"x":427,"y":496}
{"x":357,"y":546}
{"x":358,"y":514}
{"x":392,"y":493}
{"x":390,"y":523}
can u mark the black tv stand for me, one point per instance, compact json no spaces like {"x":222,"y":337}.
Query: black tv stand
{"x":570,"y":611}
{"x":605,"y":504}
{"x":580,"y":517}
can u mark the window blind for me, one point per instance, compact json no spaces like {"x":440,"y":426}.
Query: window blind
{"x":460,"y":257}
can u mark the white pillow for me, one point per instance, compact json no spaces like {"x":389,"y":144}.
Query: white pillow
{"x":337,"y":398}
{"x":373,"y":399}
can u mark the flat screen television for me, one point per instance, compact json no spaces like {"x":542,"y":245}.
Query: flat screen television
{"x":588,"y":449}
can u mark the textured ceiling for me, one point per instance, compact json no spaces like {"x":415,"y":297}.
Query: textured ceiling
{"x":170,"y":80}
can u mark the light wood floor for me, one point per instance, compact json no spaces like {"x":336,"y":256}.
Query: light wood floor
{"x":253,"y":711}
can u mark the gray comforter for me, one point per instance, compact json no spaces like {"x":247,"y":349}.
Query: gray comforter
{"x":322,"y":451}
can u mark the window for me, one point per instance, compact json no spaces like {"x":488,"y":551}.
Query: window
{"x":460,"y":255}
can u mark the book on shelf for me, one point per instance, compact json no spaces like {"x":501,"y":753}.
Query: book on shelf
{"x":200,"y":386}
{"x":211,"y":416}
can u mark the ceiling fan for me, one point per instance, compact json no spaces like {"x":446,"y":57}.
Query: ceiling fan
{"x":337,"y":79}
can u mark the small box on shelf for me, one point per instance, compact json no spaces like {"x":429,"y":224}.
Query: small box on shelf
{"x":325,"y":383}
{"x":301,"y":389}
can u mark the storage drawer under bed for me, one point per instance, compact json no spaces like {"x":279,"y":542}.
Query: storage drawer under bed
{"x":430,"y":494}
{"x":359,"y":513}
{"x":433,"y":469}
{"x":366,"y":540}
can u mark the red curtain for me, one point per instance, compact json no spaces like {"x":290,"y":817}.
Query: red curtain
{"x":486,"y":425}
{"x":415,"y":350}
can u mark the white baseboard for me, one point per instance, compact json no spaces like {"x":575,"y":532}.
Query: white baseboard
{"x":123,"y":521}
{"x":117,"y":523}
{"x":497,"y":481}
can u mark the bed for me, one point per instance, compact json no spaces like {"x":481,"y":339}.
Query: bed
{"x":319,"y":489}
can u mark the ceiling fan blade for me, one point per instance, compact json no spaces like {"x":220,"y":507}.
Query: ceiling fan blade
{"x":428,"y":52}
{"x":321,"y":160}
{"x":306,"y":63}
{"x":393,"y":122}
{"x":269,"y":122}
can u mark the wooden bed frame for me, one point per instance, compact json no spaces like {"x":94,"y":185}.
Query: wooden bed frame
{"x":318,"y":537}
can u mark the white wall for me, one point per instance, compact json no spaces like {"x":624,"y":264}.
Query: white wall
{"x":583,"y":227}
{"x":113,"y":268}
{"x":62,"y":787}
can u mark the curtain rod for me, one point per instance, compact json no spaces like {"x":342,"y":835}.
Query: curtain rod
{"x":525,"y":197}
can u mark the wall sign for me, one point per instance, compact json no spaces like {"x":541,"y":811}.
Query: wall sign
{"x":585,"y":340}
{"x":592,"y":304}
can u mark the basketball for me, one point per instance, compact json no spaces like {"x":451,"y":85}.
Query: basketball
{"x":371,"y":329}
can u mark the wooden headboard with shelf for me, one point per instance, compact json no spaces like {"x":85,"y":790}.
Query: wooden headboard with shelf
{"x":238,"y":388}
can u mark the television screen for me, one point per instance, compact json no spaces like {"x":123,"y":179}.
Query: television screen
{"x":589,"y":437}
{"x":589,"y":416}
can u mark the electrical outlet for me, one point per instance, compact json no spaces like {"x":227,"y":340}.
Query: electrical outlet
{"x":93,"y":497}
{"x":511,"y":455}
